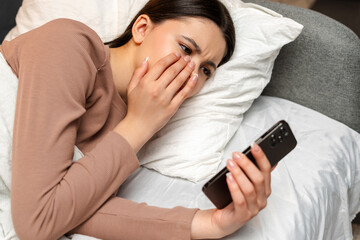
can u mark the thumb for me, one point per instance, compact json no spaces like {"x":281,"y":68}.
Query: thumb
{"x":138,"y":75}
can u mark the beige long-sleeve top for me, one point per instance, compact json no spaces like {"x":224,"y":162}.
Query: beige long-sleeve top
{"x":66,"y":97}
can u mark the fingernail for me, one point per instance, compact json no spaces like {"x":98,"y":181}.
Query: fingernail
{"x":255,"y":147}
{"x":191,"y":64}
{"x":194,"y":77}
{"x":145,"y":61}
{"x":237,"y":155}
{"x":187,"y":58}
{"x":231,"y":163}
{"x":177,"y":54}
{"x":230,"y":177}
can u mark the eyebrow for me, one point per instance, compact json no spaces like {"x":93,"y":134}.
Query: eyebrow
{"x":198,"y":50}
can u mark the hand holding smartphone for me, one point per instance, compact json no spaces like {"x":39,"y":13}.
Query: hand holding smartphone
{"x":277,"y":142}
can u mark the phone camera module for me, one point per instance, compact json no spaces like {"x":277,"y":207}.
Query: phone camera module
{"x":284,"y":132}
{"x":273,"y":140}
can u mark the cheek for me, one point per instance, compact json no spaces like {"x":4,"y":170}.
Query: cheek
{"x":159,"y":47}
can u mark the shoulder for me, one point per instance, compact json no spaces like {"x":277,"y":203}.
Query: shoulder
{"x":63,"y":27}
{"x":64,"y":49}
{"x":69,"y":37}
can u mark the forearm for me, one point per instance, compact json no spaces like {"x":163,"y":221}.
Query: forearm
{"x":120,"y":218}
{"x":57,"y":193}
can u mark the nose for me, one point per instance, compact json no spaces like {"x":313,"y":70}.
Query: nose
{"x":196,"y":62}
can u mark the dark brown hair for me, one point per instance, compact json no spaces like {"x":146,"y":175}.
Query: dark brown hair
{"x":161,"y":10}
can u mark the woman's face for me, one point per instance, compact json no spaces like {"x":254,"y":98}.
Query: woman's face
{"x":199,"y":38}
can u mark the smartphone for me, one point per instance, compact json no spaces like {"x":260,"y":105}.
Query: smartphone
{"x":277,"y":142}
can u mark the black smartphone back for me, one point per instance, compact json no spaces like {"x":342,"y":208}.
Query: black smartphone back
{"x":277,"y":142}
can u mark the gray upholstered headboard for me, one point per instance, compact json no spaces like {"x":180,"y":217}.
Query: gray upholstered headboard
{"x":321,"y":68}
{"x":8,"y":12}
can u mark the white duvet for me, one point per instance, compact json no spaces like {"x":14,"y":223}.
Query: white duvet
{"x":315,"y":189}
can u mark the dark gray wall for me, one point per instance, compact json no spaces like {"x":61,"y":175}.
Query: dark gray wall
{"x":8,"y":10}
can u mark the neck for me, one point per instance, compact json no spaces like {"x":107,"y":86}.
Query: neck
{"x":123,"y":65}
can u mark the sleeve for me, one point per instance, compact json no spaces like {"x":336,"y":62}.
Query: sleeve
{"x":57,"y":65}
{"x":120,"y":218}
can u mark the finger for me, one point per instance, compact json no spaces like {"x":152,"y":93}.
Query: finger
{"x":161,"y":65}
{"x":138,"y":75}
{"x":183,"y":93}
{"x":245,"y":185}
{"x":176,"y":85}
{"x":254,"y":175}
{"x":260,"y":157}
{"x":239,"y":201}
{"x":172,"y":72}
{"x":264,"y":165}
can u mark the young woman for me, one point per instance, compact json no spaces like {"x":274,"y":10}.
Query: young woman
{"x":108,"y":100}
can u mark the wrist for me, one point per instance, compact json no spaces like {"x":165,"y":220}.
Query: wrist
{"x":133,"y":133}
{"x":202,"y":226}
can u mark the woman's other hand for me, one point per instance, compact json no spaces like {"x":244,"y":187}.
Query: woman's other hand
{"x":154,"y":95}
{"x":249,"y":187}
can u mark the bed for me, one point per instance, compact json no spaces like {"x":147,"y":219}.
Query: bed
{"x":315,"y":189}
{"x":315,"y":87}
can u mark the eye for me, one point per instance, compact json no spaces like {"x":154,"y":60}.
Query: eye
{"x":187,"y":50}
{"x":206,"y":71}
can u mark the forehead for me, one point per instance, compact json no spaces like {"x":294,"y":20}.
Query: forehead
{"x":204,"y":32}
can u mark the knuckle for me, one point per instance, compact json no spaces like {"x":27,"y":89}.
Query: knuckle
{"x":172,"y":71}
{"x":260,"y":154}
{"x":267,"y":167}
{"x":185,"y":73}
{"x":268,"y":193}
{"x":168,"y":114}
{"x":188,"y":71}
{"x":182,"y":76}
{"x":138,"y":71}
{"x":261,"y":204}
{"x":171,"y":109}
{"x":142,"y":83}
{"x":255,"y":212}
{"x":260,"y":180}
{"x":246,"y":164}
{"x":178,"y":82}
{"x":250,"y":192}
{"x":163,"y":101}
{"x":241,"y":203}
{"x":163,"y":63}
{"x":155,"y":92}
{"x":183,"y":94}
{"x":136,"y":74}
{"x":264,"y":204}
{"x":249,"y":215}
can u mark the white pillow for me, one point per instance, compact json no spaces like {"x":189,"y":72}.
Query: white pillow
{"x":191,"y":145}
